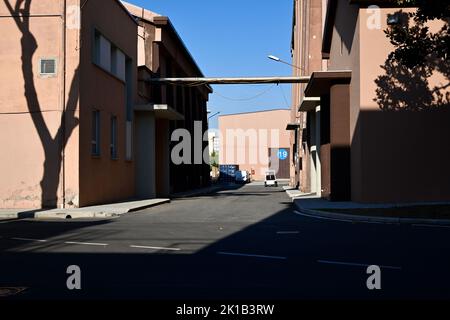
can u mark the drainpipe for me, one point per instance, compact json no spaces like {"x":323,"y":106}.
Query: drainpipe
{"x":63,"y":117}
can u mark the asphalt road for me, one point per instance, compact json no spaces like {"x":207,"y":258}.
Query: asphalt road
{"x":247,"y":243}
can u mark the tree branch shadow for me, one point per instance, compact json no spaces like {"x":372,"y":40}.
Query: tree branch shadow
{"x":53,"y":146}
{"x":408,"y":88}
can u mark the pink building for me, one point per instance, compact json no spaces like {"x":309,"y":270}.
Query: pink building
{"x":77,"y":126}
{"x":365,"y":131}
{"x":256,"y":142}
{"x":68,"y":85}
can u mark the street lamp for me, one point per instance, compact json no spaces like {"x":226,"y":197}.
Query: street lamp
{"x":275,"y":58}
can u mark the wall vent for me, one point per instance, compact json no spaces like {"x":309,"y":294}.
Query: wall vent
{"x":48,"y":67}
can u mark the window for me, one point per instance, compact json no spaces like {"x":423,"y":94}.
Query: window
{"x":95,"y":144}
{"x":102,"y":51}
{"x":113,"y":146}
{"x":47,"y":67}
{"x":108,"y":56}
{"x":118,"y":63}
{"x":129,"y":141}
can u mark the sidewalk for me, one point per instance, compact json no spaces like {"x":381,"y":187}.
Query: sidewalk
{"x":101,"y":211}
{"x":295,"y":193}
{"x":320,"y":208}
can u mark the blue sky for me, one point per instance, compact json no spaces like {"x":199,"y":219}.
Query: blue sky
{"x":230,"y":38}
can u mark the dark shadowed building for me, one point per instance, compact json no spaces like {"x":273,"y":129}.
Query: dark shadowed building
{"x":162,"y":54}
{"x":369,"y":131}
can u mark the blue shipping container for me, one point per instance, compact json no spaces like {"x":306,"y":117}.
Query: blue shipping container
{"x":227,"y":172}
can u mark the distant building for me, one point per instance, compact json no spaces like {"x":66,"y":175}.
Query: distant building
{"x":256,"y":142}
{"x":213,"y":142}
{"x":358,"y":136}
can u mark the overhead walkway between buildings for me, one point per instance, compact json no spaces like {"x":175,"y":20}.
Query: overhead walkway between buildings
{"x":211,"y":81}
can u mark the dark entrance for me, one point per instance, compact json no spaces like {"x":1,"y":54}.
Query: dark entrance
{"x":279,"y":162}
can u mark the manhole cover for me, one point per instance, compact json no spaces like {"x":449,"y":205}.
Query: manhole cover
{"x":7,"y":292}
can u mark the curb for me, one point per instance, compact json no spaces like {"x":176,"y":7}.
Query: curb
{"x":75,"y":215}
{"x":369,"y":219}
{"x":148,"y":206}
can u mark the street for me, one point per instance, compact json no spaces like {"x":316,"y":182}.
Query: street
{"x":241,"y":243}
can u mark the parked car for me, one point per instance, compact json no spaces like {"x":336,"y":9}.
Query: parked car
{"x":271,"y":179}
{"x":242,"y":176}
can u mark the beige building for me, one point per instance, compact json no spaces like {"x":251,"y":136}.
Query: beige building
{"x":256,"y":142}
{"x":68,"y":88}
{"x":361,"y":137}
{"x":77,"y":128}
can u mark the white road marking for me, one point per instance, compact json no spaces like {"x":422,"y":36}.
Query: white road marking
{"x":321,"y":218}
{"x":156,"y":248}
{"x":288,"y":232}
{"x":27,"y":239}
{"x":355,"y":264}
{"x":429,"y":226}
{"x":251,"y":255}
{"x":86,"y":243}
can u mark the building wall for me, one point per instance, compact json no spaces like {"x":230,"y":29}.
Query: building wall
{"x":403,"y":153}
{"x":259,"y":125}
{"x":32,"y":164}
{"x":345,"y":55}
{"x":164,"y":54}
{"x":103,"y":179}
{"x":396,"y":155}
{"x":171,"y":59}
{"x":306,"y":54}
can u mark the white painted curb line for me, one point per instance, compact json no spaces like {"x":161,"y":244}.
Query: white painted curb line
{"x":368,"y":219}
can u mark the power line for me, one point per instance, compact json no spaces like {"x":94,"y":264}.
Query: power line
{"x":284,"y":96}
{"x":245,"y":99}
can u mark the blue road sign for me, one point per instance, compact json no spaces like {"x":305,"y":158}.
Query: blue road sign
{"x":282,"y":154}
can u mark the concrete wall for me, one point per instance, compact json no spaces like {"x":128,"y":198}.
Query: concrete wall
{"x":163,"y":53}
{"x":397,"y":152}
{"x":103,"y":179}
{"x":306,"y":54}
{"x":32,"y":165}
{"x":145,"y":160}
{"x":251,"y":123}
{"x":403,"y":150}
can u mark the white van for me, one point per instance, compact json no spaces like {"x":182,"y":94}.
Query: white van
{"x":271,"y":179}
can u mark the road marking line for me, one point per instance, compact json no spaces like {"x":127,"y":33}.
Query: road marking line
{"x":321,"y":218}
{"x":156,"y":248}
{"x":251,"y":255}
{"x":27,"y":239}
{"x":430,"y":226}
{"x":86,"y":243}
{"x":288,"y":232}
{"x":355,"y":264}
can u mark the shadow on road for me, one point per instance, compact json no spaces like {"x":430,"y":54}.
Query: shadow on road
{"x":254,"y":263}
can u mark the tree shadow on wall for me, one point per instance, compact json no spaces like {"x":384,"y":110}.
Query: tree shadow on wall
{"x":53,"y":146}
{"x":408,"y":88}
{"x":401,"y":88}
